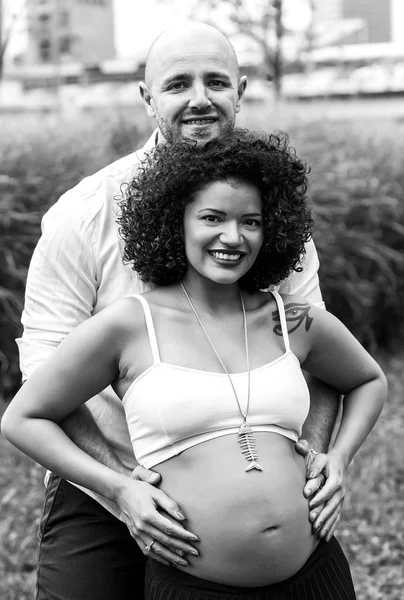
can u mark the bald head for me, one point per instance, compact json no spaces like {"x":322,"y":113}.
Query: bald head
{"x":192,"y":88}
{"x":191,"y":37}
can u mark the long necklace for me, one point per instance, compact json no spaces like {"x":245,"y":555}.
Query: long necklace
{"x":246,"y":437}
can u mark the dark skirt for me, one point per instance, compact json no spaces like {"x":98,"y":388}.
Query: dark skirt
{"x":325,"y":576}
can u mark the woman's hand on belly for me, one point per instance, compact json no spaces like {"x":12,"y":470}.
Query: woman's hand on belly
{"x":153,"y":518}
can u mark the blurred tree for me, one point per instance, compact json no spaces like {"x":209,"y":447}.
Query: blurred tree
{"x":5,"y":36}
{"x":261,"y":21}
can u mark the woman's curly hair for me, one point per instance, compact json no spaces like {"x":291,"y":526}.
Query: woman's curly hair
{"x":152,"y":209}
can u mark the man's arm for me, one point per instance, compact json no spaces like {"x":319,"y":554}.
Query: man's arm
{"x":60,"y":293}
{"x":320,"y":422}
{"x":82,"y":429}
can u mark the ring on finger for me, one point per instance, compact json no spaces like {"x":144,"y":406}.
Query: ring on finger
{"x":149,"y":546}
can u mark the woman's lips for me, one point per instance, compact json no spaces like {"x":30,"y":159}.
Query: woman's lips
{"x":230,"y":258}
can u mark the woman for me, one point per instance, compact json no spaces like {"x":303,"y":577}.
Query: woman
{"x":208,"y":368}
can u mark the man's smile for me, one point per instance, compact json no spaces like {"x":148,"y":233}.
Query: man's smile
{"x":199,"y":120}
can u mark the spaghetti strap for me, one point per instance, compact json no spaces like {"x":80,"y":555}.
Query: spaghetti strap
{"x":282,"y":316}
{"x":150,"y":328}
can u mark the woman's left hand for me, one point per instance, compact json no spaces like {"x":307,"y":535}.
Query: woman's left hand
{"x":326,"y":501}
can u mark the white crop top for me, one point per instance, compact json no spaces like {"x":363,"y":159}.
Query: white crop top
{"x":170,"y":408}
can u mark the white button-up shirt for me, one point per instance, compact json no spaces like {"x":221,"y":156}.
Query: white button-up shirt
{"x":77,"y":270}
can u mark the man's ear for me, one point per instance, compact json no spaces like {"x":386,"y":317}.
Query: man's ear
{"x":240,"y":91}
{"x":147,"y":99}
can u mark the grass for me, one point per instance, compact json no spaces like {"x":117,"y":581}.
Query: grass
{"x":21,"y":493}
{"x":370,"y":532}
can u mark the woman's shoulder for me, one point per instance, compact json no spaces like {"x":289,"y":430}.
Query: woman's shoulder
{"x":304,"y":316}
{"x":163,"y":297}
{"x":122,"y":316}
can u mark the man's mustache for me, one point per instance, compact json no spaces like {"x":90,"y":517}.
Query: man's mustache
{"x":199,"y":113}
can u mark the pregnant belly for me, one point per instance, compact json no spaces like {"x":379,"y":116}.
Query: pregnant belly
{"x":253,"y":527}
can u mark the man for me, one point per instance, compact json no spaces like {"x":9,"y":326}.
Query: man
{"x":193,"y":90}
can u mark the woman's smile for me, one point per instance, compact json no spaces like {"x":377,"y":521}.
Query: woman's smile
{"x":228,"y":258}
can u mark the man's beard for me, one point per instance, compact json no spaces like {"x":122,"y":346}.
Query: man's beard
{"x":172,"y":134}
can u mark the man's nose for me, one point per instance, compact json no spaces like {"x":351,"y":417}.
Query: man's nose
{"x":200,"y":97}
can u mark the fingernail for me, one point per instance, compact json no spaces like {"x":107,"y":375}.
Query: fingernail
{"x":318,"y":525}
{"x":324,"y":533}
{"x":183,"y":563}
{"x":309,"y":491}
{"x":194,"y":552}
{"x":179,"y":552}
{"x":180,"y":515}
{"x":313,"y":516}
{"x":193,"y":537}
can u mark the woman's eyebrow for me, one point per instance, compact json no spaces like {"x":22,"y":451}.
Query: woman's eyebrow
{"x":220,"y":212}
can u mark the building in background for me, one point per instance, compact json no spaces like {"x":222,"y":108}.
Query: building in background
{"x":62,"y":31}
{"x":376,"y":16}
{"x":354,"y":21}
{"x":327,"y":11}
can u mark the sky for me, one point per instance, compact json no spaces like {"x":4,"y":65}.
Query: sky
{"x":139,"y":22}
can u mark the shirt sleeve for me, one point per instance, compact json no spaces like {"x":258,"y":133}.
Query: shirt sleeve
{"x":61,"y":284}
{"x":306,"y":283}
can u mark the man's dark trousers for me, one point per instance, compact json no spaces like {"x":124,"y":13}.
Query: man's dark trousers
{"x":85,"y":553}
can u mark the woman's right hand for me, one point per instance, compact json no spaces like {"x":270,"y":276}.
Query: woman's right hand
{"x":152,"y":517}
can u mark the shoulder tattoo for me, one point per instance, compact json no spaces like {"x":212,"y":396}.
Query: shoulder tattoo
{"x":296,"y":314}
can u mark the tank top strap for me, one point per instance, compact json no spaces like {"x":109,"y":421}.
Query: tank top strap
{"x":150,"y":328}
{"x":282,"y":317}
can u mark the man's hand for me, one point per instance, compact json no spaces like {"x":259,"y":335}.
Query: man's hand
{"x":325,"y":490}
{"x":142,"y":474}
{"x":154,"y":521}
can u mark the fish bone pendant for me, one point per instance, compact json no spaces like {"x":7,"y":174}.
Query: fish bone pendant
{"x":247,"y":442}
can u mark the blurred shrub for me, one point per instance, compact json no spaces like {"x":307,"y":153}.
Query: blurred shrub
{"x":357,"y":188}
{"x":37,"y":166}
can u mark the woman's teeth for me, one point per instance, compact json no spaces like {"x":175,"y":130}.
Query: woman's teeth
{"x":225,"y":256}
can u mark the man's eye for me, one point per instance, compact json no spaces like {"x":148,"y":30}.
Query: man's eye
{"x":216,"y":83}
{"x":177,"y":86}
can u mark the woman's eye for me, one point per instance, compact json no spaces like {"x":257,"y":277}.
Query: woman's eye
{"x":252,"y":223}
{"x":211,"y":218}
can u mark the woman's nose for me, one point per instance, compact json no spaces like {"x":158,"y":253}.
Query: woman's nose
{"x":231,"y":235}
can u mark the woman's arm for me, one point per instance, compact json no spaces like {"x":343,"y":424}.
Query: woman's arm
{"x":336,"y":357}
{"x":85,"y":363}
